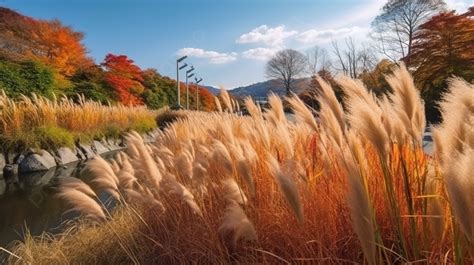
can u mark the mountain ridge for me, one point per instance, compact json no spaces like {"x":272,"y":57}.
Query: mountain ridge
{"x":264,"y":88}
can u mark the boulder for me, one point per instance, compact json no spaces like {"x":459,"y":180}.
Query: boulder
{"x":86,"y":151}
{"x":113,"y":144}
{"x":66,"y":155}
{"x":37,"y":162}
{"x":99,"y":147}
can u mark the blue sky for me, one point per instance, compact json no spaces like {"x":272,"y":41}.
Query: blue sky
{"x":227,"y":41}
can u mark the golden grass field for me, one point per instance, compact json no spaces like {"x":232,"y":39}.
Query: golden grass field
{"x":39,"y":122}
{"x":353,"y":186}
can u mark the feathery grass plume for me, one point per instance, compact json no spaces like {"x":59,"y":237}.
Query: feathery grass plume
{"x":200,"y":179}
{"x":118,"y":158}
{"x":126,"y":165}
{"x":249,"y":152}
{"x":133,"y":196}
{"x":254,"y":110}
{"x":460,"y":188}
{"x":183,"y":164}
{"x":98,"y":174}
{"x":185,"y":195}
{"x":327,"y":97}
{"x":236,"y":223}
{"x":222,"y":158}
{"x":392,"y":124}
{"x":276,"y":114}
{"x":287,"y":186}
{"x":237,"y":105}
{"x":81,"y":202}
{"x":232,"y":191}
{"x":146,"y":161}
{"x":455,"y":133}
{"x":76,"y":184}
{"x":224,"y":95}
{"x":354,"y":88}
{"x":302,"y":112}
{"x":218,"y":104}
{"x":114,"y":165}
{"x":366,"y":120}
{"x":126,"y":180}
{"x":407,"y":102}
{"x":361,"y":209}
{"x":244,"y":162}
{"x":330,"y":125}
{"x":245,"y":172}
{"x":293,"y":167}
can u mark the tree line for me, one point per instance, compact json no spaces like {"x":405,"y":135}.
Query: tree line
{"x":48,"y":58}
{"x":434,"y":43}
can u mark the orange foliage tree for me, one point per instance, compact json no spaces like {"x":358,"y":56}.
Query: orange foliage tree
{"x":444,"y":47}
{"x":48,"y":41}
{"x":124,"y":77}
{"x":206,"y":99}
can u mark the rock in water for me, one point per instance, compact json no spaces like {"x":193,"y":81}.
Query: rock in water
{"x":66,"y":155}
{"x":37,"y":162}
{"x":99,"y":147}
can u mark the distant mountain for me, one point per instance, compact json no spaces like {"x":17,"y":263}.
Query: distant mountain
{"x":213,"y":90}
{"x":263,"y":89}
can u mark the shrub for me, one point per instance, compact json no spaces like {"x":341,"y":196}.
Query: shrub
{"x":166,"y":117}
{"x":26,"y":78}
{"x":90,"y":90}
{"x":52,"y":137}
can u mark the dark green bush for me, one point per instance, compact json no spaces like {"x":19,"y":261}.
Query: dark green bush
{"x":164,"y":118}
{"x":90,"y":90}
{"x":26,"y":78}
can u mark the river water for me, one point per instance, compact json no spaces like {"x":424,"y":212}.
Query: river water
{"x":28,"y":203}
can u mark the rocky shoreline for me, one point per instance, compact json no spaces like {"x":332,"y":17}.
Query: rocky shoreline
{"x":13,"y":164}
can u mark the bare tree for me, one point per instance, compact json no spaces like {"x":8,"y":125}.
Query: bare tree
{"x":286,"y":66}
{"x":395,"y":28}
{"x":353,"y":61}
{"x":318,"y":60}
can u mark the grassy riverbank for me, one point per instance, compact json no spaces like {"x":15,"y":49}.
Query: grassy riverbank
{"x":217,"y":188}
{"x":38,"y":122}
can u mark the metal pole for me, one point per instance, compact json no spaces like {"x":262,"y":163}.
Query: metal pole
{"x":187,"y":92}
{"x":197,"y":96}
{"x":177,"y":83}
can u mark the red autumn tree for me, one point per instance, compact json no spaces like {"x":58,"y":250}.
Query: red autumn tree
{"x":206,"y":100}
{"x":124,"y":77}
{"x":444,"y":47}
{"x":48,"y":41}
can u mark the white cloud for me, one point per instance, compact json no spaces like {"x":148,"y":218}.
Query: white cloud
{"x":315,"y":36}
{"x":260,"y":53}
{"x":459,"y":5}
{"x":267,"y":35}
{"x":213,"y":56}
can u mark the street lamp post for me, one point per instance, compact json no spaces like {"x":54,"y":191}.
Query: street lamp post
{"x":197,"y":91}
{"x":188,"y":75}
{"x":177,"y":77}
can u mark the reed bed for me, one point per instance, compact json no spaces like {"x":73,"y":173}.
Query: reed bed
{"x":42,"y":123}
{"x":215,"y":188}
